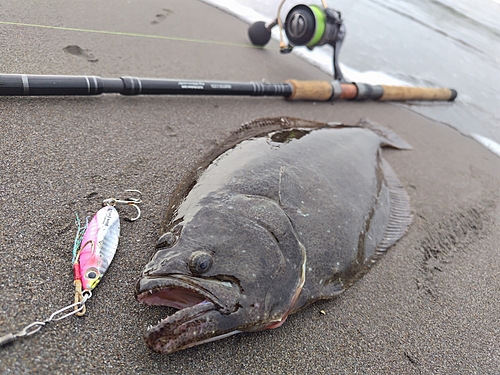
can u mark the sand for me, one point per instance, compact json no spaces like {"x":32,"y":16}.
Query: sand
{"x":429,"y":306}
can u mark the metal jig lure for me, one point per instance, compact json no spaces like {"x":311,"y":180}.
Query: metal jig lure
{"x":94,"y":248}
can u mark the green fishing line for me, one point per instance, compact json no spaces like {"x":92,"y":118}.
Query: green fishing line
{"x":150,"y":36}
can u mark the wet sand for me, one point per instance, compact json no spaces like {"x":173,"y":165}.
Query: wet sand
{"x":429,"y":306}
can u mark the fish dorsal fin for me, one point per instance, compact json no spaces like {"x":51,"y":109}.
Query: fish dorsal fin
{"x":268,"y":124}
{"x":388,"y":137}
{"x":400,"y":216}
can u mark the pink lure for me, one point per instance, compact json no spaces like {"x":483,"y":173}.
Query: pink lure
{"x":98,"y":247}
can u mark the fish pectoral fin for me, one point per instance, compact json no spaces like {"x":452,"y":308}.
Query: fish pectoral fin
{"x":388,"y":137}
{"x":400,"y":216}
{"x":332,"y":289}
{"x":289,"y":186}
{"x":327,"y":290}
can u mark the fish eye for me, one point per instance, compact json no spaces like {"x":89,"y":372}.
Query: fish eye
{"x":166,"y":240}
{"x":200,"y":262}
{"x":92,"y":274}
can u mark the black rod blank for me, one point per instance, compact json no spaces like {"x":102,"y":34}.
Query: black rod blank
{"x":37,"y":85}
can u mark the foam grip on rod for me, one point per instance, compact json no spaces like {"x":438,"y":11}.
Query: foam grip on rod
{"x":400,"y":93}
{"x":310,"y":90}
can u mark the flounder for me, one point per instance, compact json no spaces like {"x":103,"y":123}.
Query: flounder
{"x":287,"y":212}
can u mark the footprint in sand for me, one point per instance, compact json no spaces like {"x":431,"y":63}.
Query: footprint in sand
{"x":161,"y":16}
{"x":78,"y":51}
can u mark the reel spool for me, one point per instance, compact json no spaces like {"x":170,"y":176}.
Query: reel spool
{"x":309,"y":26}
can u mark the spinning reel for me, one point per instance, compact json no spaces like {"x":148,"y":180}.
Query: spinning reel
{"x":309,"y":26}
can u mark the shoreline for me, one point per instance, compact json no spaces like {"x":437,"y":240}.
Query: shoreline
{"x":321,"y":59}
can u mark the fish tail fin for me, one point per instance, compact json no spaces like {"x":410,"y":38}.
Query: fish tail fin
{"x":389,"y":138}
{"x":400,"y":212}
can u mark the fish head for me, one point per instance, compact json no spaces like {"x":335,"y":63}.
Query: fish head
{"x":237,"y":265}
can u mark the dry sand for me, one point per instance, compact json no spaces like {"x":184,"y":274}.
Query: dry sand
{"x":429,"y":306}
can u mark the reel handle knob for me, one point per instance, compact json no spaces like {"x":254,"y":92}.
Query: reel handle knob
{"x":259,"y":34}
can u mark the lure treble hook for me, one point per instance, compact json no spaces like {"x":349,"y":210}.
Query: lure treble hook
{"x":128,"y":201}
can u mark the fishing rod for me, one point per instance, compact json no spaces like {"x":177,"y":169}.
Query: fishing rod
{"x":56,"y":85}
{"x":309,"y":26}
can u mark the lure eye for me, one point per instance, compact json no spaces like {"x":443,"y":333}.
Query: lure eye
{"x":92,"y":274}
{"x":200,"y":262}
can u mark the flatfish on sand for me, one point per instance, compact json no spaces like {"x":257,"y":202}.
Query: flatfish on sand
{"x":285,"y":213}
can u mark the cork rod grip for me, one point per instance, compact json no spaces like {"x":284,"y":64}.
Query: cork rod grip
{"x":310,"y":90}
{"x":324,"y":91}
{"x":401,"y":93}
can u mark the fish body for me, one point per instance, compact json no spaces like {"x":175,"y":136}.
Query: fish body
{"x":98,"y":246}
{"x":269,"y":226}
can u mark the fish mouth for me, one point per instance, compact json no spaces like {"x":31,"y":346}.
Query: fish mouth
{"x":177,"y":291}
{"x":197,"y":299}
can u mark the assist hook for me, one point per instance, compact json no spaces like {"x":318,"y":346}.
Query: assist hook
{"x":128,"y":201}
